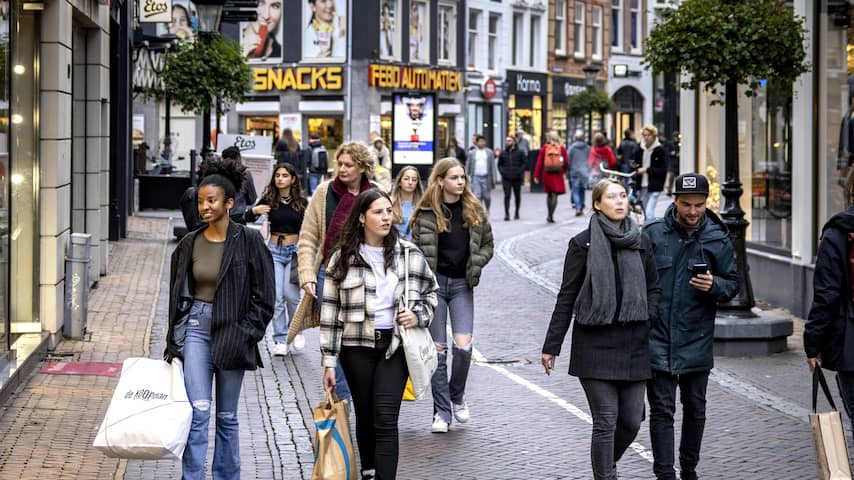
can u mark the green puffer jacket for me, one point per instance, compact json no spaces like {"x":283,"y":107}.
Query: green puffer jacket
{"x":425,"y":234}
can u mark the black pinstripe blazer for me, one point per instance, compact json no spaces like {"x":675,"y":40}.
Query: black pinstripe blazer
{"x":243,"y":302}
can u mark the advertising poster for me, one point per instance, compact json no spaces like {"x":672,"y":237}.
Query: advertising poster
{"x":419,"y":32}
{"x":255,"y":150}
{"x":414,"y":126}
{"x":325,"y":34}
{"x":294,"y":122}
{"x":389,"y":30}
{"x":184,"y":23}
{"x":261,"y":40}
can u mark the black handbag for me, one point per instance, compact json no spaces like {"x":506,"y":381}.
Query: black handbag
{"x":294,"y":269}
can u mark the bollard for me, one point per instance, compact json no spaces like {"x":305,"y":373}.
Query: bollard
{"x":77,"y":286}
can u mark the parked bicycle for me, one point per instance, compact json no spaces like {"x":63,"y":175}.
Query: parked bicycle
{"x":636,"y":206}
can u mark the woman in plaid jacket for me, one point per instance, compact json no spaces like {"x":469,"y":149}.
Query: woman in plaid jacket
{"x":363,"y":305}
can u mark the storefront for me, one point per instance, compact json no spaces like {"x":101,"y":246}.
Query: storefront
{"x":563,"y":88}
{"x":525,"y":102}
{"x":484,"y":109}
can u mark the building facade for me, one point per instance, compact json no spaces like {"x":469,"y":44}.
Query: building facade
{"x":630,"y":85}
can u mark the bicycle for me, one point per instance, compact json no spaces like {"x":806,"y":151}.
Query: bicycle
{"x":636,"y":206}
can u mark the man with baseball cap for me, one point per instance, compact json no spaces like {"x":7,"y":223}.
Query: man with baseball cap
{"x":696,"y":270}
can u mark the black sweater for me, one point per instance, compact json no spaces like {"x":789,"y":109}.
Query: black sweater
{"x":454,"y":245}
{"x":617,"y":351}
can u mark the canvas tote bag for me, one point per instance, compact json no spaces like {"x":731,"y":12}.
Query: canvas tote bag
{"x":149,"y":416}
{"x":831,"y":451}
{"x":334,"y":458}
{"x":418,"y":347}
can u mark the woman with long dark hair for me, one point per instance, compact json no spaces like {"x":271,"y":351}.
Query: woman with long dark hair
{"x":363,"y":307}
{"x":283,"y":202}
{"x":610,"y":286}
{"x":220,"y":302}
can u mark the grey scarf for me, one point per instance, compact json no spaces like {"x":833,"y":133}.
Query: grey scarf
{"x":596,"y":304}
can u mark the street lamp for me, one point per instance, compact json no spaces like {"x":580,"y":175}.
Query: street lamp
{"x":590,"y":72}
{"x":210,"y":14}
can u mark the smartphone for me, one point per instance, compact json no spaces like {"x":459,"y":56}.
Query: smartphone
{"x":699,"y":268}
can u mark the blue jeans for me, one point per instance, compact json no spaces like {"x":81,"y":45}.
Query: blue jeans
{"x":456,"y":298}
{"x":314,"y":179}
{"x":342,"y":390}
{"x":578,"y":185}
{"x":482,"y":189}
{"x":650,"y":199}
{"x":198,"y":378}
{"x":287,"y":294}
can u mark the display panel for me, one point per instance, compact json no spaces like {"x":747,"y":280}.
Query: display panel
{"x":414,"y":128}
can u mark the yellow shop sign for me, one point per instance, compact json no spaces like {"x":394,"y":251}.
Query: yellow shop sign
{"x":414,"y":78}
{"x":297,"y":78}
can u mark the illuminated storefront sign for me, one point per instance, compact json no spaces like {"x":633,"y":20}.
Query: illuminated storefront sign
{"x":297,"y":78}
{"x":414,"y":78}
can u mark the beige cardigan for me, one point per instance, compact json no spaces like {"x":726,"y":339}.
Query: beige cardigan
{"x":312,"y":235}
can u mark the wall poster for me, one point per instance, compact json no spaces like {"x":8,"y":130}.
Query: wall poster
{"x":414,"y":127}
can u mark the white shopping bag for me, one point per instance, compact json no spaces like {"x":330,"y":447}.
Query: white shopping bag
{"x":149,"y":416}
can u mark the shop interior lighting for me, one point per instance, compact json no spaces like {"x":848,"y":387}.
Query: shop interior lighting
{"x":19,"y":69}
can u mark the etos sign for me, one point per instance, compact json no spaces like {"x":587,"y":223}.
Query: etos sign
{"x":527,"y":83}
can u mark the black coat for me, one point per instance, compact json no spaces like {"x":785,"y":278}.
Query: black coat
{"x":243,"y":302}
{"x":829,"y":329}
{"x":616,"y":351}
{"x":512,"y":165}
{"x":656,"y":172}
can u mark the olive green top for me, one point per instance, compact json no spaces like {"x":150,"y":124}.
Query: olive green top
{"x":207,"y":258}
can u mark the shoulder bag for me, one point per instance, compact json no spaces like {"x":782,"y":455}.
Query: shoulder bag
{"x":418,"y":347}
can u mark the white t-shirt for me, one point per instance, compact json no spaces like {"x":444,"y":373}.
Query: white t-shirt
{"x":481,"y":166}
{"x":383,"y":306}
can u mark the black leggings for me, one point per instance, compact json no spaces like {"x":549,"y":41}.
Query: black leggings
{"x":377,"y":387}
{"x":516,"y":188}
{"x":551,"y":203}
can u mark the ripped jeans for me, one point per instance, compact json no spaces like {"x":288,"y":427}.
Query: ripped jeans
{"x":456,"y":300}
{"x":199,"y":373}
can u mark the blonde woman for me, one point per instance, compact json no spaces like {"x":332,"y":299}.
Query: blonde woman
{"x":452,"y":229}
{"x":405,"y":194}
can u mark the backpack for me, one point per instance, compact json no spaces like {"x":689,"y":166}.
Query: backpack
{"x":554,"y":160}
{"x":319,"y":159}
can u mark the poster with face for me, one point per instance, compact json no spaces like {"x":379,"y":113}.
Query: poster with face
{"x":389,"y":31}
{"x":325,"y":34}
{"x":419,"y":32}
{"x":185,"y":21}
{"x":261,"y":40}
{"x":414,"y":128}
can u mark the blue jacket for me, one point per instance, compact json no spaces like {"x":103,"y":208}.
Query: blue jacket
{"x":682,"y":339}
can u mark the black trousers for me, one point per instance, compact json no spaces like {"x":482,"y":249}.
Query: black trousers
{"x":377,"y":387}
{"x":514,"y":186}
{"x":661,"y":392}
{"x":617,"y":409}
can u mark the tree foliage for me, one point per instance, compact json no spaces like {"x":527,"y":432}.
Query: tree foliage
{"x":197,"y":73}
{"x":590,"y":100}
{"x":715,"y":41}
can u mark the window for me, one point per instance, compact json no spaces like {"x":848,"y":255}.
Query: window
{"x":492,"y":53}
{"x":474,"y":19}
{"x":447,"y":34}
{"x":635,"y":25}
{"x":390,"y":20}
{"x":597,"y":32}
{"x":560,"y":27}
{"x":617,"y":24}
{"x":579,"y":29}
{"x":518,"y":28}
{"x":419,"y":32}
{"x":534,"y":44}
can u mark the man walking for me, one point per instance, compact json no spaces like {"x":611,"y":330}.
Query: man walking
{"x":653,"y":168}
{"x":511,"y":166}
{"x":628,"y":151}
{"x":318,"y":162}
{"x":696,"y":271}
{"x":480,"y":167}
{"x":579,"y":171}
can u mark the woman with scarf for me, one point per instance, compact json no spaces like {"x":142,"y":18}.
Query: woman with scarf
{"x":326,"y":212}
{"x":610,"y":285}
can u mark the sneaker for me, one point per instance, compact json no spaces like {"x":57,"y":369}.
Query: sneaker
{"x":280,"y":350}
{"x":579,"y":212}
{"x":517,"y":216}
{"x":299,"y":342}
{"x":368,"y":474}
{"x":461,"y":411}
{"x":506,"y":218}
{"x":439,"y":425}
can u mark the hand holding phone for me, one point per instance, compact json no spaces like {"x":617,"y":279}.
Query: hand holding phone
{"x":701,"y":278}
{"x":699,"y":268}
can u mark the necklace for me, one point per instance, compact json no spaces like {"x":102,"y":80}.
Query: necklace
{"x":286,"y":199}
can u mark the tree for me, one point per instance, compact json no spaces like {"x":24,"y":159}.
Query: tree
{"x":198,"y":73}
{"x":730,"y":43}
{"x":588,"y":101}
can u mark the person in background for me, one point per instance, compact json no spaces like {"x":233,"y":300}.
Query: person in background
{"x":610,"y":287}
{"x":318,"y":162}
{"x":579,"y":171}
{"x":382,"y":153}
{"x":553,"y":182}
{"x":452,"y":229}
{"x":522,"y":142}
{"x":405,"y":194}
{"x":223,"y":273}
{"x":653,"y":167}
{"x":672,"y":148}
{"x":283,"y":202}
{"x":481,"y":169}
{"x":511,"y":165}
{"x":359,"y":324}
{"x":246,"y":195}
{"x":289,"y":151}
{"x":456,"y":151}
{"x":628,"y":152}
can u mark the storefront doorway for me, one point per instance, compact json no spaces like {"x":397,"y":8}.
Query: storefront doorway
{"x":629,"y":111}
{"x":331,"y":132}
{"x":265,"y":126}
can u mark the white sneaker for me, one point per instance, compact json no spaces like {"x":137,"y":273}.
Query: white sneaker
{"x":280,"y":350}
{"x":461,"y":411}
{"x":299,"y":342}
{"x":439,"y":425}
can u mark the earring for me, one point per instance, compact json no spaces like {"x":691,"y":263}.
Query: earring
{"x":361,"y":225}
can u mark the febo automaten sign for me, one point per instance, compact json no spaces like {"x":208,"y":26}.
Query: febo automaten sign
{"x":298,"y":78}
{"x":414,"y":78}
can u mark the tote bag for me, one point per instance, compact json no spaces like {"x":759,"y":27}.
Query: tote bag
{"x":418,"y":347}
{"x":149,"y":416}
{"x":831,"y":451}
{"x":334,"y":458}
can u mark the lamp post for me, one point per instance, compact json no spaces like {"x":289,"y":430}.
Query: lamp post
{"x":210,"y":15}
{"x":590,"y":72}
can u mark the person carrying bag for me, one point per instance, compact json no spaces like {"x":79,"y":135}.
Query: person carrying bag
{"x":418,"y":346}
{"x":333,"y":449}
{"x":831,"y":450}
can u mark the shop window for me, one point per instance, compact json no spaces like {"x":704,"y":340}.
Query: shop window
{"x":526,"y":113}
{"x":559,"y":122}
{"x":447,"y":33}
{"x":264,"y":126}
{"x":4,"y":183}
{"x":331,"y":132}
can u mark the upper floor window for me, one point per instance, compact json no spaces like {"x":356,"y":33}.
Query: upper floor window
{"x":419,"y":32}
{"x":518,"y":29}
{"x":596,"y":31}
{"x":579,"y":29}
{"x":617,"y":24}
{"x":534,"y":44}
{"x":635,"y":24}
{"x":447,"y":33}
{"x":474,"y":19}
{"x":492,"y":47}
{"x":560,"y":27}
{"x":390,"y":29}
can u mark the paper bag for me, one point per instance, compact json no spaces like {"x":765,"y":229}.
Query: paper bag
{"x":831,"y":451}
{"x":334,"y":458}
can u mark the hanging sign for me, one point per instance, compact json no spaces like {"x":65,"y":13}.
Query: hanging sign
{"x":155,"y":11}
